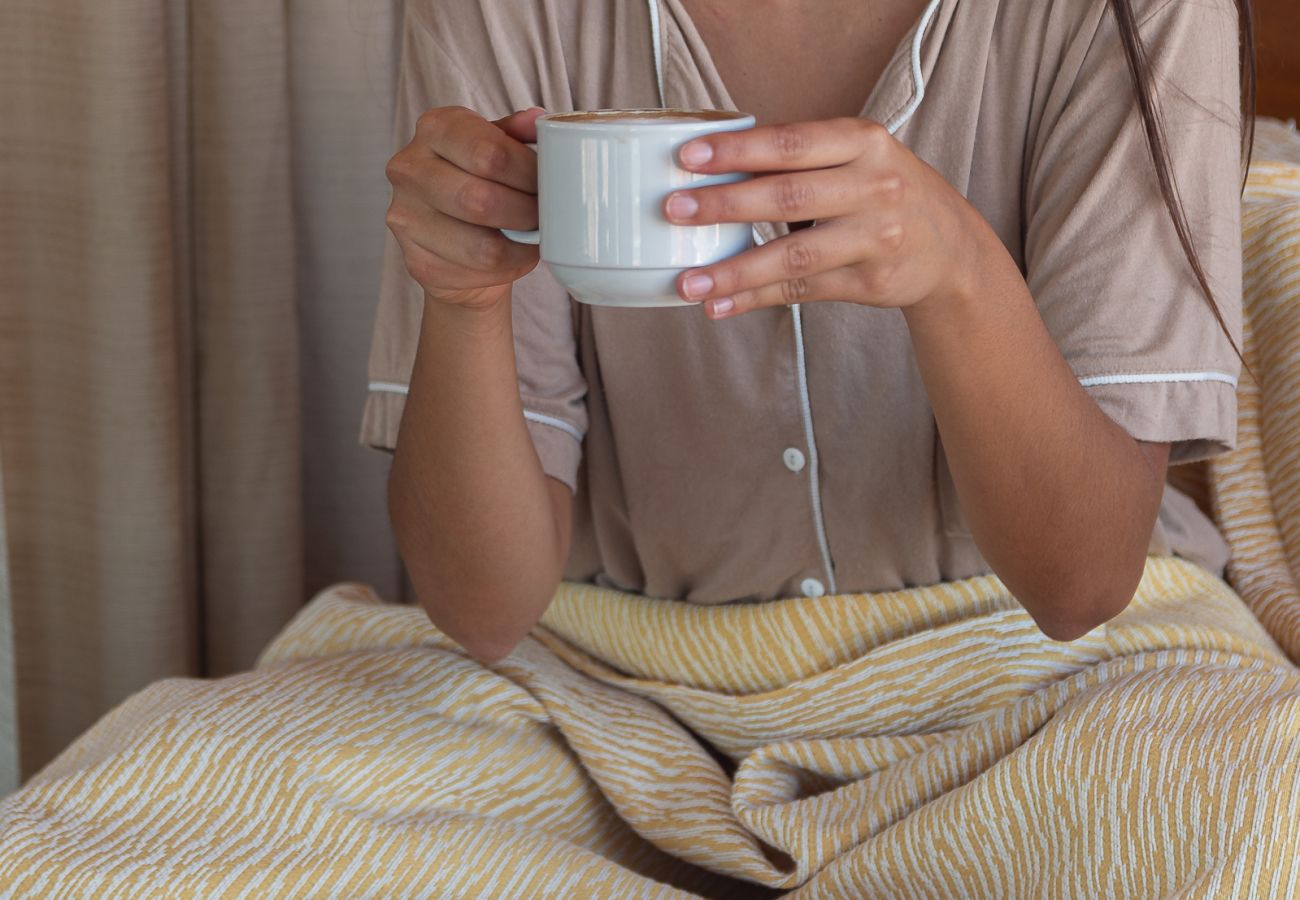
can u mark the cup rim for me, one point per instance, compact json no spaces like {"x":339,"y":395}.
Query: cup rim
{"x":717,"y":117}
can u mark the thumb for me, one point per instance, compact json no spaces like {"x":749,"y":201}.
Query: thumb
{"x":522,"y":125}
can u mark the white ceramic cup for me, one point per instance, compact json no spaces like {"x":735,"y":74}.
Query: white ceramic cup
{"x":602,"y":178}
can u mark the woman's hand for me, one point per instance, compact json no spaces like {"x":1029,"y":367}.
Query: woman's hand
{"x":459,"y":180}
{"x":889,"y":230}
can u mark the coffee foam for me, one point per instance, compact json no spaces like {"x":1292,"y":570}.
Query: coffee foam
{"x":655,"y":116}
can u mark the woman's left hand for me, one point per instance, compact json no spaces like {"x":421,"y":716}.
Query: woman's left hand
{"x":889,"y":230}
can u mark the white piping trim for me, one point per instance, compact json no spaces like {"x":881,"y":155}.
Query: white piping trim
{"x":393,"y":387}
{"x":658,"y":49}
{"x":814,"y":484}
{"x":805,"y":413}
{"x":542,"y":419}
{"x":1158,"y":378}
{"x":918,"y":78}
{"x":810,"y":438}
{"x":805,"y":406}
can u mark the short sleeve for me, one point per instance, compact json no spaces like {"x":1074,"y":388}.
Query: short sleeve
{"x":551,"y":385}
{"x":1102,"y":257}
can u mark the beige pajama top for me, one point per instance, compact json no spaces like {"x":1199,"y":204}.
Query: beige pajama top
{"x":792,"y":451}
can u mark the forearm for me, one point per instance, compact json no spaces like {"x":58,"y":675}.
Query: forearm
{"x":1059,"y":498}
{"x":471,"y":507}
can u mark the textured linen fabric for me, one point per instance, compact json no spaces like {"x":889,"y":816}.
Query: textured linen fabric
{"x":925,"y":743}
{"x":1277,"y":141}
{"x":681,"y":489}
{"x":1255,"y":490}
{"x":191,"y":226}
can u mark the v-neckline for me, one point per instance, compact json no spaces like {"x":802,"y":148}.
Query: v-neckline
{"x":897,"y":86}
{"x":901,"y":57}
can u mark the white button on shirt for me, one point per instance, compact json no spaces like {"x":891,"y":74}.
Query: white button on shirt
{"x":794,"y":459}
{"x":811,"y":587}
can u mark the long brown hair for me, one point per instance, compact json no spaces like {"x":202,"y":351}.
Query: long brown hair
{"x":1139,"y":64}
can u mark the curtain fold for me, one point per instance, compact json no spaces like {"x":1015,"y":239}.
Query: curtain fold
{"x":246,"y":392}
{"x":191,"y":218}
{"x":8,"y":693}
{"x":343,"y":77}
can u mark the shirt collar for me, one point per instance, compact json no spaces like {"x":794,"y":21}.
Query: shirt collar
{"x":691,"y":81}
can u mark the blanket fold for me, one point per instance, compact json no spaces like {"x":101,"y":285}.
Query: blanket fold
{"x":925,"y":743}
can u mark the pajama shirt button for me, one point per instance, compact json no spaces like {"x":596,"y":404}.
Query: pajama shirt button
{"x":811,"y":587}
{"x":793,"y":458}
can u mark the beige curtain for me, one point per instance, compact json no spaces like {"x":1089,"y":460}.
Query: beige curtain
{"x":191,"y":222}
{"x":8,"y":714}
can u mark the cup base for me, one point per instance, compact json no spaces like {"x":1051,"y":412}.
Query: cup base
{"x":620,"y":287}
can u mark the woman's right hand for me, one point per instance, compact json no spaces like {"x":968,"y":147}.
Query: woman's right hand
{"x":459,"y":180}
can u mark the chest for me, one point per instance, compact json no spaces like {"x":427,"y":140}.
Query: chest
{"x":801,"y":60}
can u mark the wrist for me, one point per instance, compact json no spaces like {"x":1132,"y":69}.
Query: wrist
{"x":980,"y":277}
{"x":485,"y":316}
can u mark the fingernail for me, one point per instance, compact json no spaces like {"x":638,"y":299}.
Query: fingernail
{"x":696,"y":154}
{"x":682,"y":206}
{"x":698,"y":285}
{"x":722,"y":306}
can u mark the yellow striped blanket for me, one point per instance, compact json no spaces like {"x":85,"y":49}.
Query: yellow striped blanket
{"x":930,"y":743}
{"x":926,"y":743}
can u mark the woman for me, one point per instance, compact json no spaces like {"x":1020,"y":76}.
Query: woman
{"x":981,"y":358}
{"x":972,"y":340}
